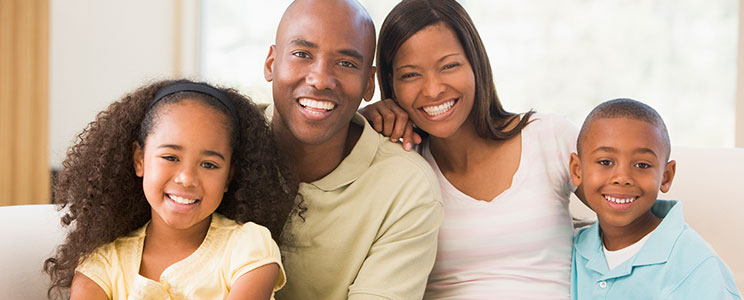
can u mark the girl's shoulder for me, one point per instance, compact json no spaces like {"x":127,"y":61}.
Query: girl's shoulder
{"x":236,"y":232}
{"x":124,"y":243}
{"x":122,"y":253}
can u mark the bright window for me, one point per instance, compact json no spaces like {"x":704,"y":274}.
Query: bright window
{"x":554,"y":56}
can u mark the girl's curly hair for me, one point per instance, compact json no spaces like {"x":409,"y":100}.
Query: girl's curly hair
{"x":104,"y":197}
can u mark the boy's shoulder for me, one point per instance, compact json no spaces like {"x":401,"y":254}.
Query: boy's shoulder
{"x":690,"y":250}
{"x":699,"y":269}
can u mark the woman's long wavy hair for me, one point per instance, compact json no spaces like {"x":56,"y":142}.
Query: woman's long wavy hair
{"x":104,"y":197}
{"x":411,"y":16}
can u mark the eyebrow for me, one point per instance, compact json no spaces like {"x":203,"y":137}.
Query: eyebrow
{"x":204,"y":152}
{"x":348,"y":52}
{"x":613,"y":150}
{"x":352,"y":53}
{"x":439,"y":60}
{"x":303,"y":43}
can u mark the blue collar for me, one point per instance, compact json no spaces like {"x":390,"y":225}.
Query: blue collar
{"x":656,"y":250}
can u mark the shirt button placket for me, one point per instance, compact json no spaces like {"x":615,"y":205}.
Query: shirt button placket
{"x":603,"y":284}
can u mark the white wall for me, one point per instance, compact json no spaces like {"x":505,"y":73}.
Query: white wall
{"x":100,"y":50}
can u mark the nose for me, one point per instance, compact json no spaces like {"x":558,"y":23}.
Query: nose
{"x":622,"y":176}
{"x":321,"y":76}
{"x":186,"y":177}
{"x":433,"y":86}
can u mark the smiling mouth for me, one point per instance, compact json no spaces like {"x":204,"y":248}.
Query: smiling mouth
{"x":181,"y":200}
{"x":617,"y":200}
{"x":316,"y":106}
{"x":435,"y":110}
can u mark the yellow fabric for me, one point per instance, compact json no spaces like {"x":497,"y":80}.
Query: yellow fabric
{"x":228,"y":251}
{"x":370,"y":229}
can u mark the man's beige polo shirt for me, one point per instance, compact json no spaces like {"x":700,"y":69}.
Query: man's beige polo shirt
{"x":370,"y":229}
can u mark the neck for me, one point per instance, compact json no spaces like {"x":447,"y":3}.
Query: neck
{"x":615,"y":238}
{"x":463,"y":150}
{"x":311,"y":162}
{"x":160,"y":233}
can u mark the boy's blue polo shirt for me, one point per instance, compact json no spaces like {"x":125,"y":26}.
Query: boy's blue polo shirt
{"x":674,"y":263}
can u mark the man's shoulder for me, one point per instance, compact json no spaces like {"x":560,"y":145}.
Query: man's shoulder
{"x":391,"y":158}
{"x":395,"y":169}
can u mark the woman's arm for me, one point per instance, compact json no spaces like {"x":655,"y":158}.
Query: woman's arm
{"x":85,"y":288}
{"x":256,"y":284}
{"x":392,"y":121}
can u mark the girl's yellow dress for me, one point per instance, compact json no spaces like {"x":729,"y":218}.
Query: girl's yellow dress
{"x":228,"y":251}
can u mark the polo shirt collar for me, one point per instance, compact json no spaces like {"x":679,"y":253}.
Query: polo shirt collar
{"x":659,"y":245}
{"x":353,"y":165}
{"x":357,"y":162}
{"x":589,"y":246}
{"x":657,"y":248}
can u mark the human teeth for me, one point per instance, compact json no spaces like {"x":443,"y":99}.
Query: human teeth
{"x":317,"y":104}
{"x":439,"y":109}
{"x":619,"y":200}
{"x":181,"y":200}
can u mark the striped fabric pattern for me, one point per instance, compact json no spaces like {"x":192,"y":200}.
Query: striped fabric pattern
{"x":518,"y":245}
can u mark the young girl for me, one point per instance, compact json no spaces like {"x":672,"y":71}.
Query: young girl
{"x":504,"y":177}
{"x":161,"y":192}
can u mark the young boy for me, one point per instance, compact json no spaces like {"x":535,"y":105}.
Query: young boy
{"x":640,"y":248}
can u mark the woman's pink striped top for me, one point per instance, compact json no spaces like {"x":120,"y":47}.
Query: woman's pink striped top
{"x":518,"y":245}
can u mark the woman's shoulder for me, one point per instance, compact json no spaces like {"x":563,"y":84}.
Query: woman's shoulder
{"x":552,"y":127}
{"x":550,"y":120}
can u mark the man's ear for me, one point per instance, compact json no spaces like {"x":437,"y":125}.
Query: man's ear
{"x":370,"y":91}
{"x":269,"y":64}
{"x":138,"y":159}
{"x":574,"y":166}
{"x":666,"y":181}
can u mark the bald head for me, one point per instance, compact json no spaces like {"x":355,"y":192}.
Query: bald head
{"x":320,"y":69}
{"x":345,"y":15}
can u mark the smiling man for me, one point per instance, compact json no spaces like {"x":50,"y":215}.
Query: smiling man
{"x":373,"y":209}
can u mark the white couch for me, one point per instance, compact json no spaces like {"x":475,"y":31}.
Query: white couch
{"x":707,"y":183}
{"x":28,"y":236}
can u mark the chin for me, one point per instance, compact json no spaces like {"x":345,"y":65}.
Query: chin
{"x":441,"y":133}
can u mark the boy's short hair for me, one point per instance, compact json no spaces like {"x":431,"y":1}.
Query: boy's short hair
{"x":626,"y":108}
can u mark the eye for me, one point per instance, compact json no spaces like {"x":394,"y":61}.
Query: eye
{"x":301,"y":54}
{"x":169,"y":157}
{"x":209,"y":165}
{"x":605,"y":162}
{"x":408,"y":75}
{"x":347,"y":64}
{"x":450,"y":66}
{"x":643,"y":165}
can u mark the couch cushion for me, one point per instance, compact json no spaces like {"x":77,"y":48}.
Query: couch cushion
{"x":29,"y":235}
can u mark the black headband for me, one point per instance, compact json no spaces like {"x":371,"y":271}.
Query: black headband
{"x":197,"y":87}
